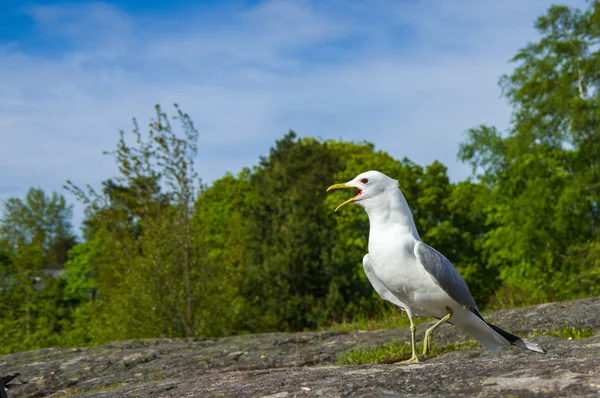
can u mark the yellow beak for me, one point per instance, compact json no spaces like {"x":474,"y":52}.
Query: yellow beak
{"x":342,"y":186}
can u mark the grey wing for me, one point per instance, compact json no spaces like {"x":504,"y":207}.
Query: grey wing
{"x":377,"y":285}
{"x":444,"y":274}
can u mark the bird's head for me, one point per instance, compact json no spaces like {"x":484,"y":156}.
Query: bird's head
{"x":370,"y":184}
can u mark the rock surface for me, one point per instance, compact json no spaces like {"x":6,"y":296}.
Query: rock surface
{"x":303,"y":364}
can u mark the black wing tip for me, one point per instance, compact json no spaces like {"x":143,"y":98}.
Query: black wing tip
{"x":517,"y":341}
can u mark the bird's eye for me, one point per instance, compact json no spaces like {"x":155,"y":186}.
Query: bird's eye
{"x":364,"y":180}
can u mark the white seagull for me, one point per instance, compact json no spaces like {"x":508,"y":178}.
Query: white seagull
{"x":414,"y":276}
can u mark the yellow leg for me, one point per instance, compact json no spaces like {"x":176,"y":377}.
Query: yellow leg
{"x":413,"y":331}
{"x":429,"y":332}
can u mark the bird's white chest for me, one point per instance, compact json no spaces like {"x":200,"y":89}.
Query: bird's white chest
{"x":387,"y":246}
{"x":395,"y":264}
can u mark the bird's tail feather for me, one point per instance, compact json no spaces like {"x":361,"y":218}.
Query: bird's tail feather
{"x":491,"y":337}
{"x":480,"y":331}
{"x":516,"y":340}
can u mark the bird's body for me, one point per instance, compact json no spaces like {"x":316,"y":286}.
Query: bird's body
{"x":413,"y":275}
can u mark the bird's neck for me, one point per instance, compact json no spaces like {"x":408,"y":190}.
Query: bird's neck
{"x":388,"y":210}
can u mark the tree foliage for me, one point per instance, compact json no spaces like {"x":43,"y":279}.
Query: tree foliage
{"x":151,"y":273}
{"x":545,"y":171}
{"x":35,"y":235}
{"x":42,"y":221}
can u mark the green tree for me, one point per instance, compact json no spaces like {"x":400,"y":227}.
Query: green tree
{"x":544,"y":172}
{"x":151,"y":273}
{"x":287,"y":280}
{"x":225,"y":234}
{"x":35,"y":235}
{"x":40,"y":220}
{"x":79,"y":273}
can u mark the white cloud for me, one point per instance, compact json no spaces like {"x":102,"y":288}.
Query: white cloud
{"x":409,"y":76}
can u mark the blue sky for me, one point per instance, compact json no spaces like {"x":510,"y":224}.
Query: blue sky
{"x":410,"y":76}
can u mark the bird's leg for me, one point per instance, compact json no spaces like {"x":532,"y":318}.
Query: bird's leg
{"x":413,"y":331}
{"x":429,"y":332}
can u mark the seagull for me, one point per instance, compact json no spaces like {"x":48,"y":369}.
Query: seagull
{"x":414,"y":276}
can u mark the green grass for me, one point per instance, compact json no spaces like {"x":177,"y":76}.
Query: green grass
{"x":395,"y":352}
{"x":387,"y":318}
{"x":567,"y":332}
{"x":399,"y":351}
{"x":388,"y":353}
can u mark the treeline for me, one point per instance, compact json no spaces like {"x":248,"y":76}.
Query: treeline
{"x":163,"y":255}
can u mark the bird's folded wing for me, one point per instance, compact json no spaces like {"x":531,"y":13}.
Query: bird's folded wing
{"x":377,"y":285}
{"x":444,"y":275}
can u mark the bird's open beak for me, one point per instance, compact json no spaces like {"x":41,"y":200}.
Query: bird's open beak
{"x":344,"y":186}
